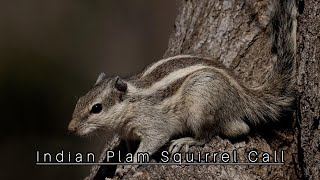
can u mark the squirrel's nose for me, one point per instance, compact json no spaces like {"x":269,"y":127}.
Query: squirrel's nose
{"x":72,"y":126}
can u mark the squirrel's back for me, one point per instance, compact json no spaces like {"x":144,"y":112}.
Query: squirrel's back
{"x":211,"y":96}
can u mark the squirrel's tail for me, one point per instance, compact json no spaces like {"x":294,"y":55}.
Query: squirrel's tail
{"x":277,"y":93}
{"x":283,"y":31}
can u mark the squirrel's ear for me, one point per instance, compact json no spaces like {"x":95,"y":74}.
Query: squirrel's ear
{"x":101,"y":77}
{"x":120,"y":85}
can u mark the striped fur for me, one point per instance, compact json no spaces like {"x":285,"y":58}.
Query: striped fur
{"x":191,"y":94}
{"x":159,"y":63}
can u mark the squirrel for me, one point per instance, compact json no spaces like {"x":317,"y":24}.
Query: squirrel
{"x":188,"y":93}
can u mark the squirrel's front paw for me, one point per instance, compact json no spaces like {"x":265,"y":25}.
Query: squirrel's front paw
{"x":178,"y":144}
{"x":123,"y":170}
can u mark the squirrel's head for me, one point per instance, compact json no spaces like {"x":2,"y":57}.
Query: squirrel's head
{"x":92,"y":109}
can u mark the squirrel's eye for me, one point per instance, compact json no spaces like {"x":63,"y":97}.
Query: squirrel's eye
{"x":97,"y":108}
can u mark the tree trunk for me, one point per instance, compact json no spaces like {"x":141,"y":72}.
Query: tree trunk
{"x":308,"y":85}
{"x":237,"y":33}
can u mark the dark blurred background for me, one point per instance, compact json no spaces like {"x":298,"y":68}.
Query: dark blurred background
{"x":52,"y":52}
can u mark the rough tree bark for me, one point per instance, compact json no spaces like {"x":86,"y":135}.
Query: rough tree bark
{"x":237,"y":33}
{"x":308,"y":85}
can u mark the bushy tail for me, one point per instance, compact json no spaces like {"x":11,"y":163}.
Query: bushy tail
{"x":283,"y":29}
{"x":277,"y":94}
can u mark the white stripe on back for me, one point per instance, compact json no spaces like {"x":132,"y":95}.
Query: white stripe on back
{"x":157,"y":64}
{"x":172,"y":77}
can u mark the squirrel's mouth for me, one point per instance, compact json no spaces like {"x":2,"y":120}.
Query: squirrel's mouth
{"x":81,"y":129}
{"x":84,"y":130}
